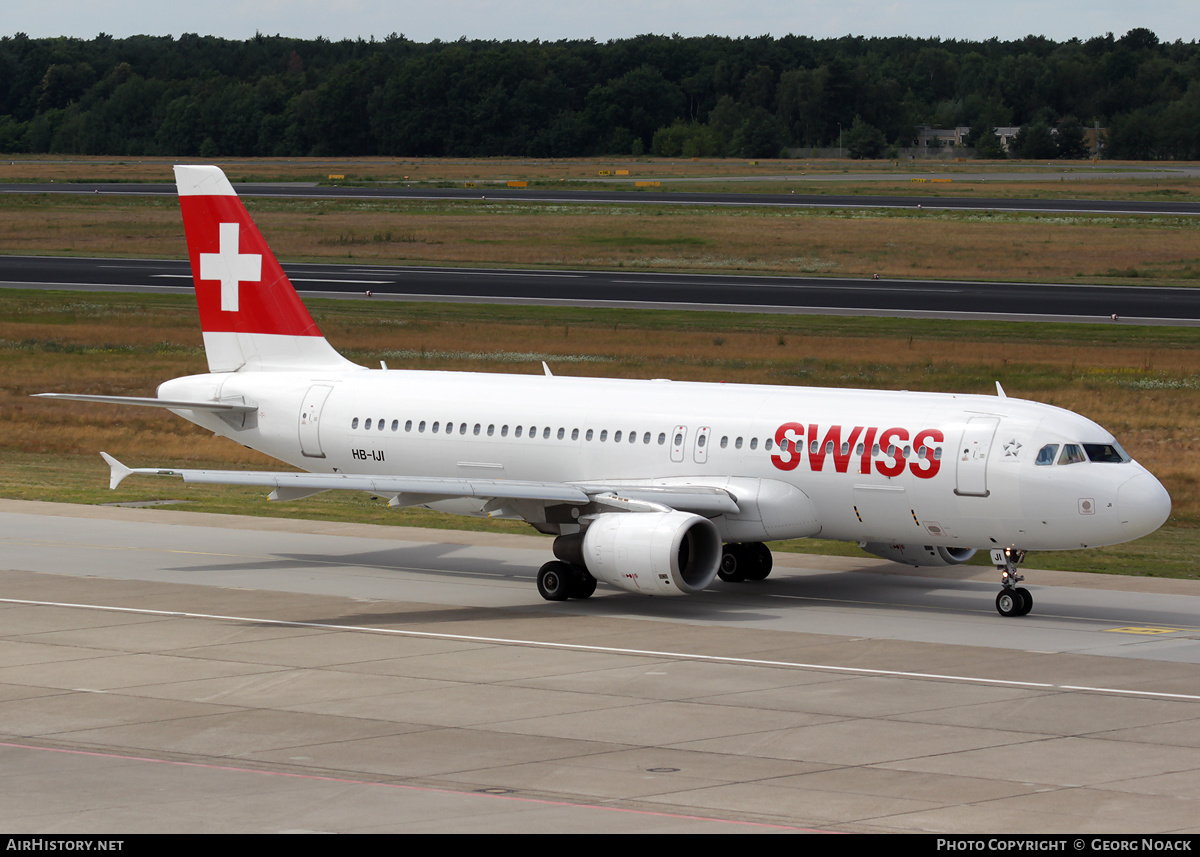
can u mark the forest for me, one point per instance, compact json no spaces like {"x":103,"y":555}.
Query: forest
{"x":651,"y":95}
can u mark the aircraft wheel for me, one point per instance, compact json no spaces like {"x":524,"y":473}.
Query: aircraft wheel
{"x":760,"y":563}
{"x":1010,"y":602}
{"x":554,"y":581}
{"x":585,"y":584}
{"x":1027,"y":600}
{"x":734,"y":562}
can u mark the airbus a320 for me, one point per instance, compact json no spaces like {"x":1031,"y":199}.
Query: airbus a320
{"x":652,"y":486}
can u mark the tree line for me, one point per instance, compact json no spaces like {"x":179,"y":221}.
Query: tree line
{"x":666,"y":95}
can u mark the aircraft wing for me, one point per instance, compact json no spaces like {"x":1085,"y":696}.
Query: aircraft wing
{"x":417,"y":490}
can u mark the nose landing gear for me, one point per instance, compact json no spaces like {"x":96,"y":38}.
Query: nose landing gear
{"x":1012,"y":600}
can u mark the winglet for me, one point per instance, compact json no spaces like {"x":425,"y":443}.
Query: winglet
{"x":118,"y":471}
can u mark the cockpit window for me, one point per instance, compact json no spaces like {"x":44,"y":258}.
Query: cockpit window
{"x":1046,"y":455}
{"x":1109,"y":453}
{"x":1071,"y":454}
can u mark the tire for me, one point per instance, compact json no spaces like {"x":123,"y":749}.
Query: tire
{"x":1027,"y":598}
{"x":1010,"y":602}
{"x":584,"y":585}
{"x":761,"y":562}
{"x":733,"y":565}
{"x":554,"y":581}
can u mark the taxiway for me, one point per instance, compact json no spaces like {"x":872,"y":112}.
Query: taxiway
{"x":168,"y":671}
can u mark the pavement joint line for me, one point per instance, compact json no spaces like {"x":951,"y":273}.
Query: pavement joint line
{"x":613,"y":650}
{"x":404,"y":786}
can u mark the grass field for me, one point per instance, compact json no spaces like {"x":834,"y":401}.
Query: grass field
{"x":1158,"y":250}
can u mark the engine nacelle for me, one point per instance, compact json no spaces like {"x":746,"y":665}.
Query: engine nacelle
{"x":919,"y":554}
{"x":652,"y":553}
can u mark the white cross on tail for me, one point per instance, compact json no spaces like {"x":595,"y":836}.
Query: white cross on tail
{"x":230,"y":267}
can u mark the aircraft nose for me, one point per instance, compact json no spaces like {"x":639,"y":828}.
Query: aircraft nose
{"x":1143,"y":505}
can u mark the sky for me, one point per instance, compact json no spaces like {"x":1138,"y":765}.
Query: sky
{"x":526,"y":20}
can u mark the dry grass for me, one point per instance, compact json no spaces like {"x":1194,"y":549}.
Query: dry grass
{"x":969,"y":177}
{"x":942,"y":245}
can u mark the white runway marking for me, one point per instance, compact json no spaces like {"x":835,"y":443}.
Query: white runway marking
{"x":577,"y":647}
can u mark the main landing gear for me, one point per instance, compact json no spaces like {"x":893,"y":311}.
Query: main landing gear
{"x":558,"y":581}
{"x":1012,"y":600}
{"x":746,"y":561}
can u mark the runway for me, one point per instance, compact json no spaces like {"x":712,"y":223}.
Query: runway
{"x":641,"y":196}
{"x":168,"y":671}
{"x":831,"y":295}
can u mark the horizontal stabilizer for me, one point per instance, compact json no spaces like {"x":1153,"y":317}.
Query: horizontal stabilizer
{"x":146,"y":402}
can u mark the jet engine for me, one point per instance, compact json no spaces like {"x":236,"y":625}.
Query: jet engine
{"x":651,"y":553}
{"x":919,"y":554}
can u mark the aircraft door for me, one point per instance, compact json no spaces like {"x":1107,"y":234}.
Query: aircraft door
{"x":678,"y":439}
{"x":973,"y":452}
{"x":310,"y":420}
{"x":700,"y":451}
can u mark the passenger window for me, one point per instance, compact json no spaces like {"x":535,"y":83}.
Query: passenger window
{"x":724,"y":441}
{"x":382,"y":424}
{"x":1046,"y":455}
{"x":754,"y":443}
{"x":767,"y":444}
{"x":646,"y":437}
{"x":561,"y":433}
{"x":588,"y":436}
{"x":617,"y":437}
{"x":546,"y":433}
{"x":354,"y":423}
{"x":408,"y":426}
{"x":367,"y":424}
{"x":737,"y":444}
{"x":421,"y":427}
{"x":603,"y":435}
{"x":662,"y":438}
{"x":519,"y":430}
{"x":574,"y":434}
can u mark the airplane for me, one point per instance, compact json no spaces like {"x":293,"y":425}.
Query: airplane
{"x":655,"y":487}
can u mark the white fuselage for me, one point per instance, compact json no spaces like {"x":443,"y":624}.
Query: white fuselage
{"x":955,"y":471}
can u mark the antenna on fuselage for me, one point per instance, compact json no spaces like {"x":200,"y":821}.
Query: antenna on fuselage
{"x":1000,"y":391}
